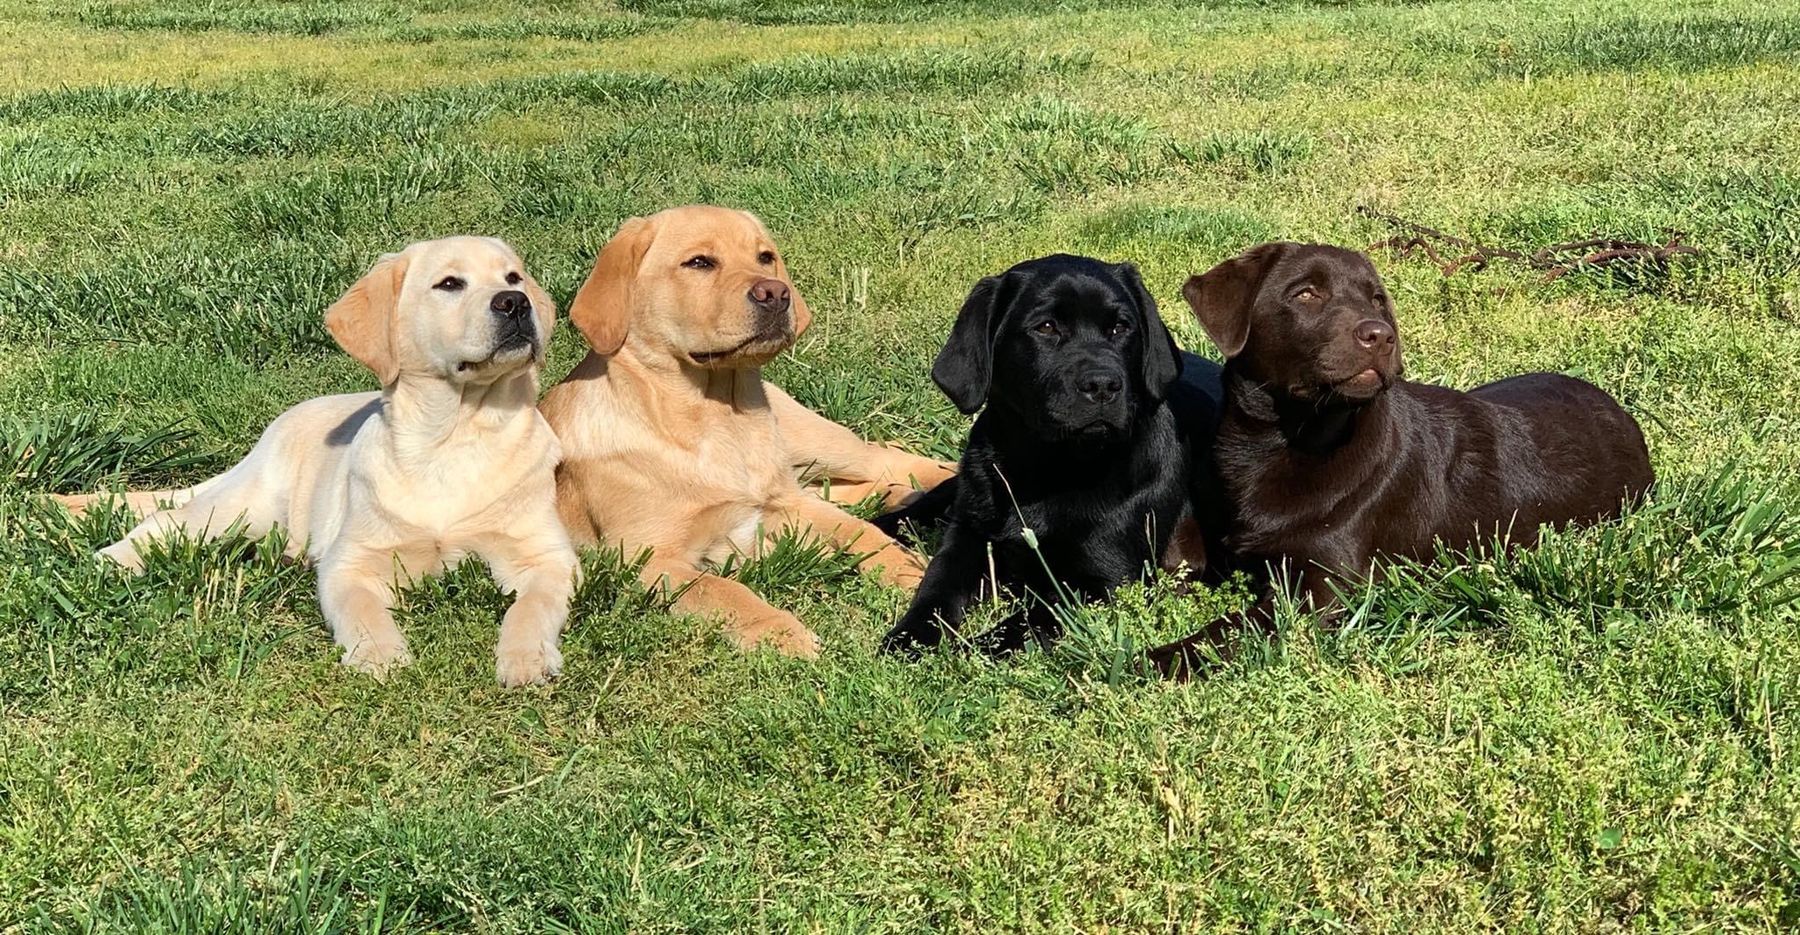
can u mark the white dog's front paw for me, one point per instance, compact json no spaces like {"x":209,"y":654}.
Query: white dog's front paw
{"x":123,"y":554}
{"x":529,"y":663}
{"x":377,"y":657}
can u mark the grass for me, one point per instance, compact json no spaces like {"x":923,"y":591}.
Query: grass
{"x":1594,"y":735}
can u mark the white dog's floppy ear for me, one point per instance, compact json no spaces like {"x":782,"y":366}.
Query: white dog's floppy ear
{"x":362,"y":321}
{"x":602,"y":307}
{"x":1221,"y":296}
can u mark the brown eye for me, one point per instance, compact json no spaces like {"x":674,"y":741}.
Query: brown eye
{"x":766,"y":257}
{"x":513,"y":279}
{"x":699,"y":261}
{"x":450,"y":284}
{"x":1045,"y":327}
{"x":1119,"y":327}
{"x":1306,"y":294}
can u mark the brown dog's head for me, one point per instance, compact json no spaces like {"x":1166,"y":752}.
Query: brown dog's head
{"x":1307,"y":320}
{"x":462,"y":309}
{"x":704,"y":285}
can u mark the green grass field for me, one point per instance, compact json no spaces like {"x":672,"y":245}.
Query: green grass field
{"x":1598,"y":735}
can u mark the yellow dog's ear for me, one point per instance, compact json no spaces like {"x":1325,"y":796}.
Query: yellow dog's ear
{"x":362,"y":321}
{"x":802,"y":314}
{"x":602,"y":307}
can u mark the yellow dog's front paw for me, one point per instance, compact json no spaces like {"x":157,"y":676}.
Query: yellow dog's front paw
{"x":531,"y":663}
{"x":778,"y":630}
{"x":377,"y":657}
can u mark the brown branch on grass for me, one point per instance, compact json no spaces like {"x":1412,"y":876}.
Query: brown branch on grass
{"x":1450,"y":253}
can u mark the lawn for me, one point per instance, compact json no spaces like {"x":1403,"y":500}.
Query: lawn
{"x":1598,"y":734}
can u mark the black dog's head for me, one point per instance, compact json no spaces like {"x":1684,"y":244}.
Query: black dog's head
{"x":1070,"y":345}
{"x":1311,"y":321}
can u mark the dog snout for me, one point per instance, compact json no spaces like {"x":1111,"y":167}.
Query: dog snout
{"x":770,"y":296}
{"x":511,"y":304}
{"x":1375,"y":335}
{"x":1100,"y":386}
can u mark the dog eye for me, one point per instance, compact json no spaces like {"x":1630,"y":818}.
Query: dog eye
{"x":512,"y":279}
{"x":1045,"y":327}
{"x":1306,"y":294}
{"x":699,"y":261}
{"x":450,"y":284}
{"x":1119,"y":327}
{"x":766,"y":257}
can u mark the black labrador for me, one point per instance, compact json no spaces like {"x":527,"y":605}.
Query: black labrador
{"x":1076,"y":471}
{"x":1330,"y":459}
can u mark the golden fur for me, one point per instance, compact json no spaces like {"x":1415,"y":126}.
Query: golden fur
{"x":672,"y":440}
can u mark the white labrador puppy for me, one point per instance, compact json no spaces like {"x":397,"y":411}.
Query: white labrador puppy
{"x":450,"y":459}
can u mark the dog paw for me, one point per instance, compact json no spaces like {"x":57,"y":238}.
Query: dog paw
{"x":903,"y":574}
{"x":77,"y":503}
{"x":780,"y":631}
{"x":528,"y":664}
{"x":123,"y":554}
{"x":377,"y":657}
{"x":909,"y":639}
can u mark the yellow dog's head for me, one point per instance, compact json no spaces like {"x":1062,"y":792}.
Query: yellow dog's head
{"x":701,"y":284}
{"x":462,"y":309}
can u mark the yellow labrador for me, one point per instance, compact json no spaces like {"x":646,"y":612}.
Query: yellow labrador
{"x":450,"y":459}
{"x":672,"y":440}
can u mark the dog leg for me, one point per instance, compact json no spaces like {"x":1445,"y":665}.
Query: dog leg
{"x":891,"y":561}
{"x":356,"y":592}
{"x":543,"y":576}
{"x":749,"y":620}
{"x":949,"y":587}
{"x":819,"y":447}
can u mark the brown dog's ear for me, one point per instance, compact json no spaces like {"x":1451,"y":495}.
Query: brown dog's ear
{"x":1221,"y":296}
{"x":362,"y":320}
{"x":602,"y":307}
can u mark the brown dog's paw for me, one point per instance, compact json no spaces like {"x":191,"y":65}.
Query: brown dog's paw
{"x":778,"y":630}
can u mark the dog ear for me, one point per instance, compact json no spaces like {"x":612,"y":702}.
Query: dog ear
{"x":964,"y":368}
{"x":1220,"y":297}
{"x":1162,"y":359}
{"x":361,"y":321}
{"x":601,"y":310}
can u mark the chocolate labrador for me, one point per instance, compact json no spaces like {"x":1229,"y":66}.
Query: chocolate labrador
{"x":1075,"y":475}
{"x":1330,"y":459}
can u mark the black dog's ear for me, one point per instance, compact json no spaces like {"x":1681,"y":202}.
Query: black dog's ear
{"x":965,"y":366}
{"x":1162,"y":359}
{"x":1220,"y":297}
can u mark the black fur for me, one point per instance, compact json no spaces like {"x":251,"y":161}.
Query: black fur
{"x":1329,"y":458}
{"x":1077,"y":441}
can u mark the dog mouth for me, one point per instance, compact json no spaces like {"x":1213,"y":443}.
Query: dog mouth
{"x":763,"y":345}
{"x":509,"y":352}
{"x":1362,"y":384}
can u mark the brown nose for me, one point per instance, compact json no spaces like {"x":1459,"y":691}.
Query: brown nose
{"x":1375,"y":334}
{"x":770,"y":295}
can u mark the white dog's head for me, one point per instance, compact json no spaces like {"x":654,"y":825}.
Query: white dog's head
{"x":461,"y":309}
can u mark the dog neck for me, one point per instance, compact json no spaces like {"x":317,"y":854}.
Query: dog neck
{"x":425,"y":413}
{"x":671,"y":381}
{"x":1309,"y":425}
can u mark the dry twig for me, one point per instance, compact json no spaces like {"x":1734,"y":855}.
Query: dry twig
{"x":1450,"y":253}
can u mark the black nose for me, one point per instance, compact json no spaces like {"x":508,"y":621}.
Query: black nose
{"x":1375,"y":334}
{"x":511,"y":304}
{"x":1100,"y":387}
{"x":770,"y":295}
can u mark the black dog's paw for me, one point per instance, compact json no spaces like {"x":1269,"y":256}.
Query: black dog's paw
{"x":1005,"y":639}
{"x":910,"y":638}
